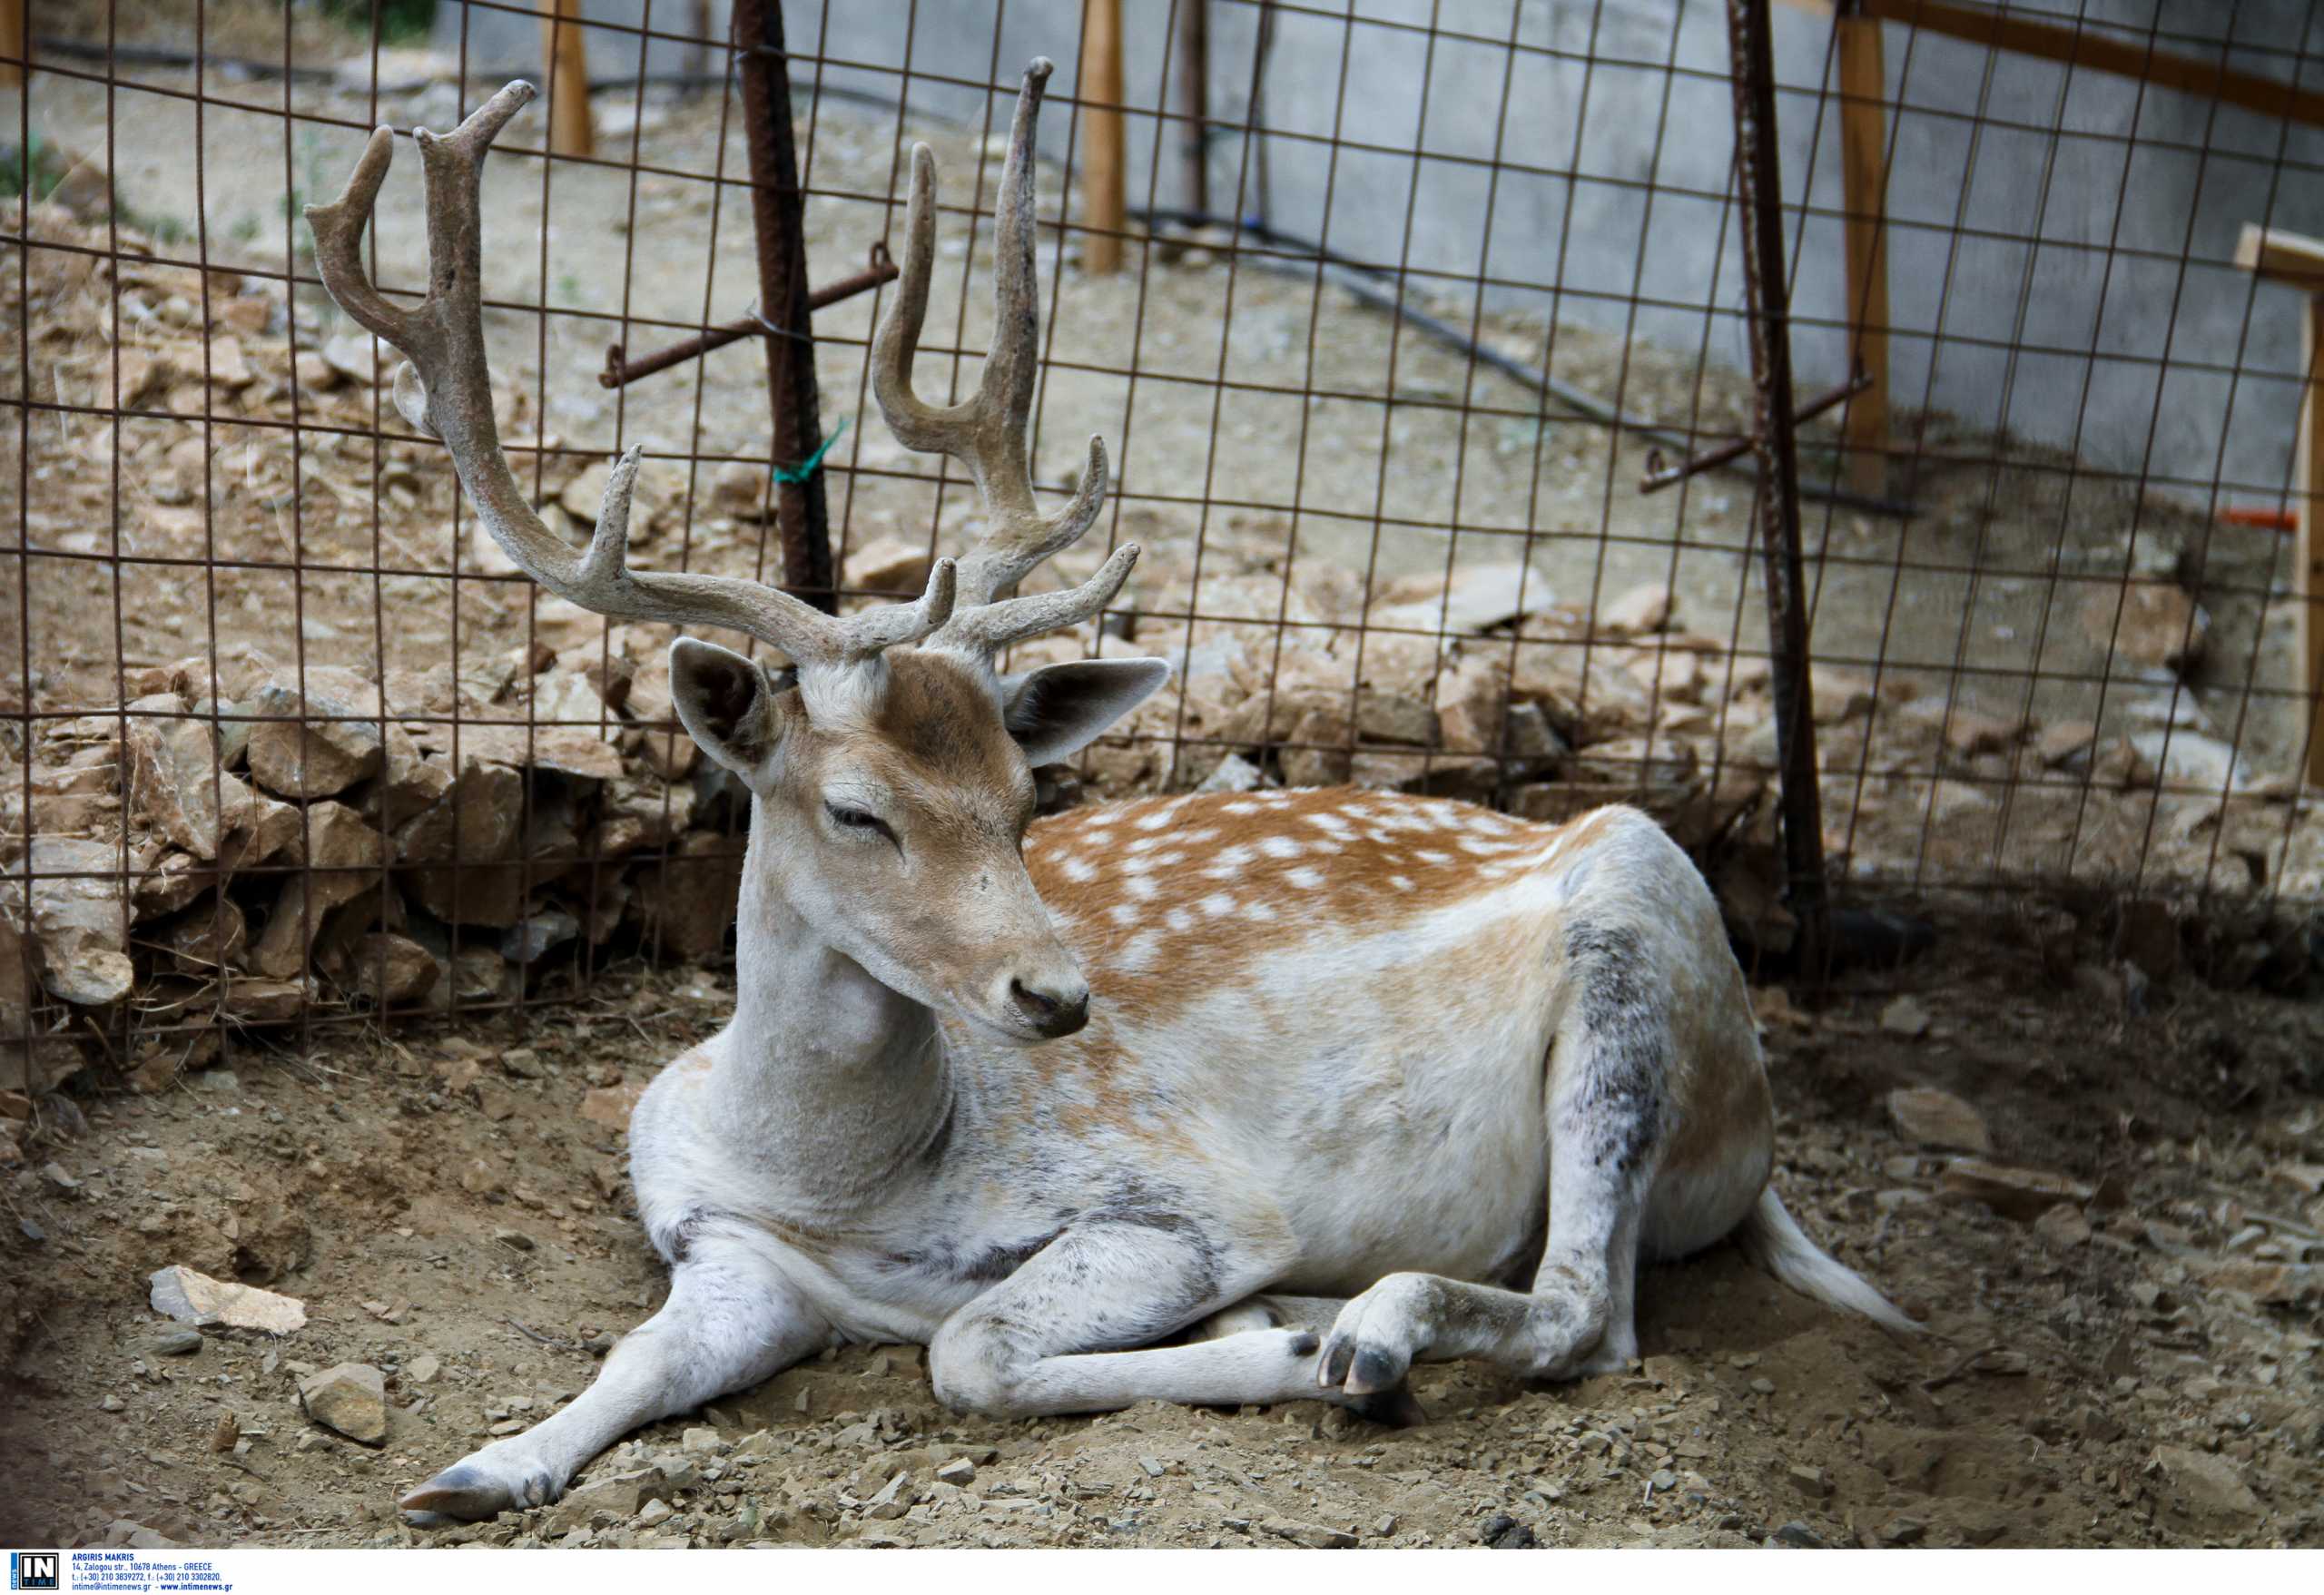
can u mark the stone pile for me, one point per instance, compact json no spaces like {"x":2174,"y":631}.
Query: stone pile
{"x":1549,"y":709}
{"x":237,"y":847}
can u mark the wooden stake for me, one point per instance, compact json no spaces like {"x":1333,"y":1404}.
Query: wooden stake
{"x":1864,"y":182}
{"x":2288,"y":258}
{"x":1103,"y":156}
{"x":565,"y":71}
{"x":1194,"y":83}
{"x":2117,"y":51}
{"x":12,"y":41}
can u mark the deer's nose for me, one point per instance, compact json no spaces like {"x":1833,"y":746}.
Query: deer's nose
{"x":1054,"y":1009}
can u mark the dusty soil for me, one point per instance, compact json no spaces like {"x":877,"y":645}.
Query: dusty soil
{"x":2113,"y":1389}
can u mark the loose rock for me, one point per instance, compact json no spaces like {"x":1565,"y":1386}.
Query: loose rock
{"x":1503,"y":1533}
{"x":351,"y":1399}
{"x":2022,"y":1194}
{"x":1643,"y":608}
{"x":1938,"y":1118}
{"x":312,"y":744}
{"x":1313,"y":1536}
{"x":180,"y":1293}
{"x":2207,"y":1485}
{"x":2063,"y":1226}
{"x":1904,"y":1016}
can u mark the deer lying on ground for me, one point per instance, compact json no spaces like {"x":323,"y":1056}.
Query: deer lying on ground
{"x":1337,"y":1080}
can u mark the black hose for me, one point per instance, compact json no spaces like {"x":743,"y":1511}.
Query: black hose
{"x":1366,"y":283}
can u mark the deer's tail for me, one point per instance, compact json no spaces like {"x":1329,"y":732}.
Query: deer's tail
{"x":1773,"y":1239}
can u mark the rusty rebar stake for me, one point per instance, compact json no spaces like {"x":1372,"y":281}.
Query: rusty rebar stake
{"x":1758,"y":172}
{"x":1661,"y":474}
{"x":620,"y":370}
{"x":778,"y":211}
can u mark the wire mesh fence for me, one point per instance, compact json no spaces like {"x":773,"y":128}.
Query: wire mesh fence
{"x":1404,"y":322}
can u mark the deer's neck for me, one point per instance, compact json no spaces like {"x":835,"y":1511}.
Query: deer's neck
{"x":835,"y":1086}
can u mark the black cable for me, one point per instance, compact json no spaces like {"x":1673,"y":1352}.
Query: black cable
{"x":1365,"y":283}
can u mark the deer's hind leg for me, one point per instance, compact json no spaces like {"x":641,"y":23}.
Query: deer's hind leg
{"x":1644,"y":974}
{"x":1074,"y":1329}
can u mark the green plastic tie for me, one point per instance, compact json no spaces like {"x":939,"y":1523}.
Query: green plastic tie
{"x":783,"y":473}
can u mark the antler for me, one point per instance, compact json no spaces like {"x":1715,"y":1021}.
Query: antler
{"x":445,"y":389}
{"x":986,"y":433}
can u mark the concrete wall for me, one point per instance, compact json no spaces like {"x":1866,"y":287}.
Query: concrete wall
{"x":2132,"y":326}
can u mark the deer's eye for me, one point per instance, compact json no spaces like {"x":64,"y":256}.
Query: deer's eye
{"x":849,"y":819}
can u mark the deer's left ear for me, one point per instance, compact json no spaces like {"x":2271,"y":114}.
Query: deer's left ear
{"x":1057,"y":711}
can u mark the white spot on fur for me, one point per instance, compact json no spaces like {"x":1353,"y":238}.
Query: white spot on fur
{"x":1331,"y":823}
{"x":1281,"y":847}
{"x":1305,"y":876}
{"x":1140,"y":886}
{"x":1122,"y":913}
{"x":1138,"y":953}
{"x":1239,"y":808}
{"x":1217,"y":903}
{"x":1178,"y":919}
{"x":1401,"y":882}
{"x":1229,"y":862}
{"x":1161,"y":816}
{"x":1425,"y":857}
{"x":1076,"y":869}
{"x":1260,"y":911}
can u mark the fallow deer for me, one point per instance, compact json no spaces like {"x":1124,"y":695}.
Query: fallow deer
{"x":1206,"y":1099}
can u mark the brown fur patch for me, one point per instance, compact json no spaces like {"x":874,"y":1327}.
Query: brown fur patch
{"x":1720,"y":1096}
{"x":941,"y":717}
{"x":1166,"y":897}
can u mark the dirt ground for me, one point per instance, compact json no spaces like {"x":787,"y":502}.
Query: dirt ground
{"x":2108,"y":1382}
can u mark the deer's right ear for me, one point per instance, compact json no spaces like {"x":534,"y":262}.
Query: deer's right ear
{"x":726,"y":703}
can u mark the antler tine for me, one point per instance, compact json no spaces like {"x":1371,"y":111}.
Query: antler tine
{"x":986,"y":431}
{"x":993,"y":627}
{"x":445,"y":389}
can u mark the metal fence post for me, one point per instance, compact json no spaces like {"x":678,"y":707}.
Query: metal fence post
{"x":1758,"y":172}
{"x":777,"y":208}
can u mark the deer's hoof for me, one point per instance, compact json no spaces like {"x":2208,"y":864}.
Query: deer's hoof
{"x":1378,"y":1337}
{"x":472,"y":1491}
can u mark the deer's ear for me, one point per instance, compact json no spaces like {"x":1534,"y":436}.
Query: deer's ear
{"x":726,"y":703}
{"x":1057,"y":711}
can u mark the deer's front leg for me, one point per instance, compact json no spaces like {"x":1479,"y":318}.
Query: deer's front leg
{"x":1050,"y":1338}
{"x":731,"y":1320}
